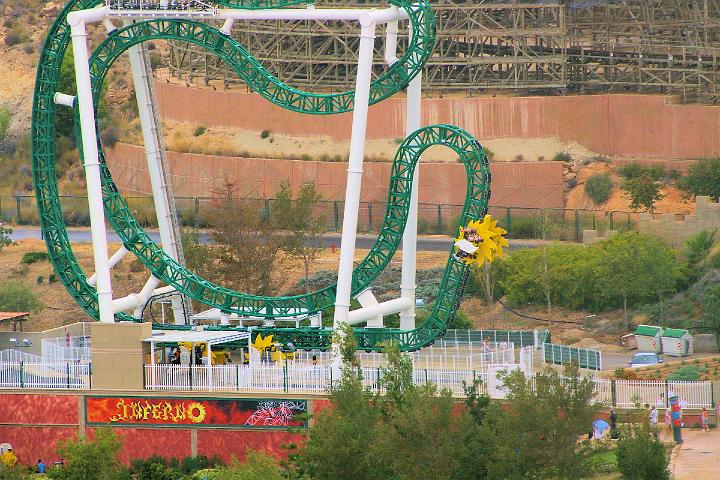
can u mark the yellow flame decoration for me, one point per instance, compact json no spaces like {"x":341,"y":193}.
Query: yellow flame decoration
{"x":261,"y":344}
{"x":486,"y":236}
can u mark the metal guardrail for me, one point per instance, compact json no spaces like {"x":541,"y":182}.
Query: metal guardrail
{"x":60,"y":375}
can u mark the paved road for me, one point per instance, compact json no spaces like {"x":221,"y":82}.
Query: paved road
{"x":436,"y":243}
{"x":698,"y":457}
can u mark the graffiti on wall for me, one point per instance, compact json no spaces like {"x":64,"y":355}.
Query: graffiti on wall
{"x":196,"y":412}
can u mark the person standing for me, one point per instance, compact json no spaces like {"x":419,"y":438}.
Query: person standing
{"x":41,"y":467}
{"x":653,"y":416}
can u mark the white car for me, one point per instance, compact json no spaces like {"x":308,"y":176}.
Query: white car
{"x":644,"y":359}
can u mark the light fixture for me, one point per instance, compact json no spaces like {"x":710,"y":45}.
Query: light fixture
{"x":13,"y":341}
{"x":26,"y":342}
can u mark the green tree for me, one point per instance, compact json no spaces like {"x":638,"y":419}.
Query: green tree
{"x":535,"y":434}
{"x":88,"y":459}
{"x":16,"y":472}
{"x":711,"y":311}
{"x":16,"y":297}
{"x":302,"y":226}
{"x":637,"y":268}
{"x":246,"y":245}
{"x":640,"y":453}
{"x":703,"y":178}
{"x":643,"y":191}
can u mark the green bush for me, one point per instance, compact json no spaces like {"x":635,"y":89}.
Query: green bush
{"x":34,"y":257}
{"x":52,"y":278}
{"x":5,"y":117}
{"x":686,"y":373}
{"x":87,"y":459}
{"x":703,"y":178}
{"x":199,"y":131}
{"x":596,"y":277}
{"x":265,"y":134}
{"x":461,"y":321}
{"x":644,"y":191}
{"x":16,"y":297}
{"x":563,"y":157}
{"x":641,"y":455}
{"x":190,"y":465}
{"x":599,"y":187}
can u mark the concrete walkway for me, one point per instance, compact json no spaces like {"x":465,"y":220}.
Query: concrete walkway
{"x":699,"y":457}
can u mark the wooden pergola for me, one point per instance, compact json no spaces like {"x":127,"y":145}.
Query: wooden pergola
{"x":14,"y":317}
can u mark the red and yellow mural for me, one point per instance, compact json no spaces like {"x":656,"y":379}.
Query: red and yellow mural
{"x":196,"y":412}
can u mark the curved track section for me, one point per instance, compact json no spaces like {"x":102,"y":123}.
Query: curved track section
{"x":163,"y":267}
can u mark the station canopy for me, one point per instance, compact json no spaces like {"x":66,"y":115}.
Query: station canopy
{"x":209,"y":337}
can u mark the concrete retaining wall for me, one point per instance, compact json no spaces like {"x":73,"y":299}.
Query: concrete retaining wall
{"x":626,"y":125}
{"x":522,"y":184}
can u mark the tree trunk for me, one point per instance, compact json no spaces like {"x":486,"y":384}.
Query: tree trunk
{"x":627,"y":322}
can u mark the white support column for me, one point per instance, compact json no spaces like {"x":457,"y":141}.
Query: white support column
{"x":208,"y":366}
{"x":354,"y":179}
{"x":142,"y":79}
{"x":92,"y":164}
{"x":409,"y":261}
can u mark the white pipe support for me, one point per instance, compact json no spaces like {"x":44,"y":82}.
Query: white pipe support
{"x":384,"y":308}
{"x":90,"y":15}
{"x":137,"y":300}
{"x":354,"y":178}
{"x":409,"y":258}
{"x":226,"y":29}
{"x":92,"y":163}
{"x":64,"y":99}
{"x":378,"y":16}
{"x":391,"y":36}
{"x":145,"y":293}
{"x":367,"y":299}
{"x":109,"y":25}
{"x":117,"y":256}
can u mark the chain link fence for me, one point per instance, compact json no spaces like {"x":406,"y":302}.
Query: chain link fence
{"x":436,"y":219}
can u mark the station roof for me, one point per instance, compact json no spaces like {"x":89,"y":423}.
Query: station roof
{"x":209,"y":337}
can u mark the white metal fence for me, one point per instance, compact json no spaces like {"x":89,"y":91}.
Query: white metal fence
{"x":44,"y":375}
{"x":465,"y":357}
{"x":299,"y":378}
{"x":66,"y":349}
{"x":16,"y":356}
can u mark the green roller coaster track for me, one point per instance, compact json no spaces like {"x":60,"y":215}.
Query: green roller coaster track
{"x":261,"y":81}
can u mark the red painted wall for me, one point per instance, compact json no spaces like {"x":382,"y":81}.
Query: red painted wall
{"x":33,"y":443}
{"x":229,"y":444}
{"x":39,"y":409}
{"x":146,"y":442}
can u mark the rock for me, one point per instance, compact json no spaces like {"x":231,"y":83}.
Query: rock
{"x":569,"y":176}
{"x":574,"y":168}
{"x":572,"y":183}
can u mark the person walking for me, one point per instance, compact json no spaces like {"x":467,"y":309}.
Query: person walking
{"x":705,"y":420}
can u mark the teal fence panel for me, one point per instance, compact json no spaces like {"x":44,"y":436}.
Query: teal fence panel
{"x":562,"y":354}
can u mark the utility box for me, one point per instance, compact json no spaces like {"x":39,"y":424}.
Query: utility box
{"x":648,"y":338}
{"x":677,"y":342}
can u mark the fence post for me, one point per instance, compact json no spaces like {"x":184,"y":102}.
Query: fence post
{"x":22,"y":374}
{"x":286,"y":381}
{"x":427,"y":380}
{"x":578,"y":238}
{"x":612,"y":221}
{"x":190,"y":376}
{"x":667,"y":392}
{"x":508,"y":221}
{"x":613,"y":393}
{"x":68,"y":375}
{"x":336,"y":216}
{"x":197,"y":212}
{"x":17,"y":209}
{"x":237,"y":377}
{"x":370,"y":225}
{"x":439,"y":219}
